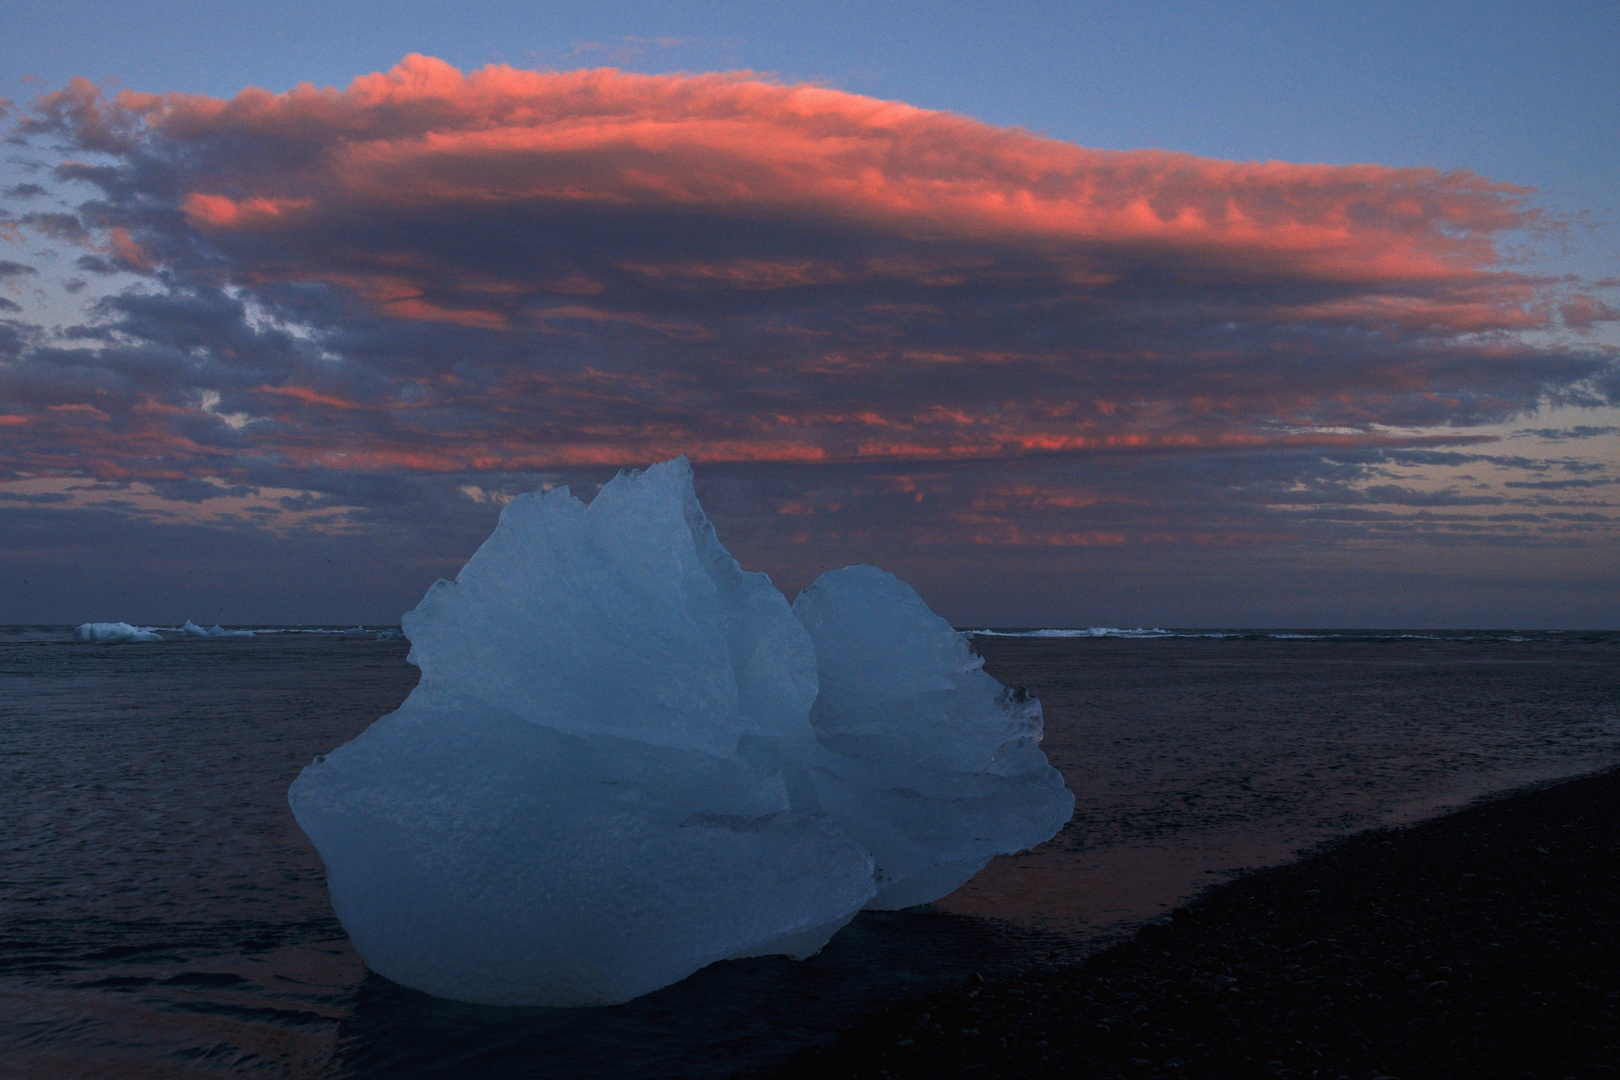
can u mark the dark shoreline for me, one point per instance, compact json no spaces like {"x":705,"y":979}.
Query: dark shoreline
{"x":1482,"y":943}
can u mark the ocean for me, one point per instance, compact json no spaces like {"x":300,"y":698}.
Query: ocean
{"x":162,"y":915}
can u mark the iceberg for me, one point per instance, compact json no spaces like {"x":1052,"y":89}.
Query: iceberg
{"x":191,"y":629}
{"x":628,"y":758}
{"x":113,"y":632}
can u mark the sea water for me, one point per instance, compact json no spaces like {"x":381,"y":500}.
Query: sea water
{"x":161,"y":914}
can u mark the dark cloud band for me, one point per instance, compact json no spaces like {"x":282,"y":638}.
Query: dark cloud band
{"x":426,"y":282}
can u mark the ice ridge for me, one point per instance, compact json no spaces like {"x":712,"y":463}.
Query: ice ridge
{"x":114,"y":632}
{"x":628,"y":758}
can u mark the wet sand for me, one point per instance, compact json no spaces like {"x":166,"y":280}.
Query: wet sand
{"x":1481,"y":944}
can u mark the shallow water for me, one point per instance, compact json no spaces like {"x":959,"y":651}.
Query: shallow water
{"x":163,"y":915}
{"x":1194,"y":757}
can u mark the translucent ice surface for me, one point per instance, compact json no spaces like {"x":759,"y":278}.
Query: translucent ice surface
{"x":113,"y":631}
{"x":927,"y":762}
{"x":627,"y":758}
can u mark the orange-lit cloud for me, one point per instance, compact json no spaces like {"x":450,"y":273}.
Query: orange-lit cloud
{"x":952,"y":197}
{"x":431,"y":281}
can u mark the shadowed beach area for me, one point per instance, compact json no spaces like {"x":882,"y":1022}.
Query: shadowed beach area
{"x":1482,"y":943}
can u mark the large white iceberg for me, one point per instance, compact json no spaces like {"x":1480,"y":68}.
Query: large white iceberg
{"x":113,"y":632}
{"x":627,"y":758}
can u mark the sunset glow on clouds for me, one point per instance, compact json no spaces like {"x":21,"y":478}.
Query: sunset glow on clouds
{"x":876,"y":326}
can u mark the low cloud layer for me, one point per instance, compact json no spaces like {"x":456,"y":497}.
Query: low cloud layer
{"x":400,"y":299}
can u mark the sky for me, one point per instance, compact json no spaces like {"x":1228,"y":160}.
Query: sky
{"x":1071,"y":315}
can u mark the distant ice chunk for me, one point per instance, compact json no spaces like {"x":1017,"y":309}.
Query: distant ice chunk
{"x":114,"y":632}
{"x":191,"y":629}
{"x":621,"y":765}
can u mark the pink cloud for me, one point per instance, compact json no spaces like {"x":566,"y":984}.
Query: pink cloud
{"x":424,"y":137}
{"x":223,"y":212}
{"x":431,"y":272}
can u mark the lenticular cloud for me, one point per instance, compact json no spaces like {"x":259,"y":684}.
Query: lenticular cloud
{"x":627,"y":758}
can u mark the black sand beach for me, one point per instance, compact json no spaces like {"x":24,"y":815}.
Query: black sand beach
{"x":1480,"y":944}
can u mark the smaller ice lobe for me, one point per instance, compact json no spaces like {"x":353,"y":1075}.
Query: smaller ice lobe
{"x":109,"y":632}
{"x":627,"y":759}
{"x":923,"y":759}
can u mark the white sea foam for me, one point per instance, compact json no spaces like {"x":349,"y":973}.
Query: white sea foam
{"x":191,"y":629}
{"x":114,"y":632}
{"x":1141,"y":633}
{"x":1089,"y":632}
{"x":627,"y":758}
